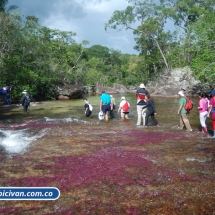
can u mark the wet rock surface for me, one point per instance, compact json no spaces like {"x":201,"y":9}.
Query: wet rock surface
{"x":67,"y":91}
{"x":113,"y":171}
{"x":170,"y":82}
{"x":110,"y":167}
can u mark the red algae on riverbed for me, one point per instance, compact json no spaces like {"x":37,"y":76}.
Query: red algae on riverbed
{"x":115,"y":171}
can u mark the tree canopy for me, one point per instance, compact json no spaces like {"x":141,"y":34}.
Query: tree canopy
{"x":36,"y":58}
{"x":188,"y":45}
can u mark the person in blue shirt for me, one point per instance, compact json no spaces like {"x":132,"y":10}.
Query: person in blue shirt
{"x":5,"y":91}
{"x":105,"y":104}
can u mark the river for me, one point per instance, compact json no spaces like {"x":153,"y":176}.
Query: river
{"x":109,"y":167}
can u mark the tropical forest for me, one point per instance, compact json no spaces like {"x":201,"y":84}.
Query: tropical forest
{"x":36,"y":58}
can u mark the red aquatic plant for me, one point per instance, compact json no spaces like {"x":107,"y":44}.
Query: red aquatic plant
{"x":110,"y":166}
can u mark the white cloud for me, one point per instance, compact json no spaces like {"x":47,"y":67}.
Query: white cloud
{"x":120,"y":42}
{"x":84,"y":17}
{"x":106,"y":6}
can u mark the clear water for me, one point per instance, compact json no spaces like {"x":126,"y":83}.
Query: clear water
{"x":72,"y":111}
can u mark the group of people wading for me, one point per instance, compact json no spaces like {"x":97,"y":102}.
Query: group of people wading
{"x":145,"y":106}
{"x":146,"y":109}
{"x":24,"y":101}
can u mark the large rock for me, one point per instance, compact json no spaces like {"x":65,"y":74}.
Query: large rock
{"x":202,"y":87}
{"x":70,"y":91}
{"x":169,"y":83}
{"x":120,"y":88}
{"x":108,"y":90}
{"x":117,"y":88}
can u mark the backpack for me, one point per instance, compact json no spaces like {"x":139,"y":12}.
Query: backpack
{"x":189,"y":105}
{"x":27,"y":98}
{"x":90,"y":107}
{"x":141,"y":96}
{"x":125,"y":107}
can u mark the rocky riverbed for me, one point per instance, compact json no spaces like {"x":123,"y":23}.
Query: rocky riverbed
{"x":106,"y":167}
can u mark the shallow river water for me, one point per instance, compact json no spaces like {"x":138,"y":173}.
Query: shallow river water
{"x":109,"y":167}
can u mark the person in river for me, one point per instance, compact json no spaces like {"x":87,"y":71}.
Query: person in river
{"x":184,"y":121}
{"x":141,"y":102}
{"x":151,"y":111}
{"x":5,"y":92}
{"x":203,"y":111}
{"x":87,"y":108}
{"x":25,"y":100}
{"x":113,"y":103}
{"x":105,"y":104}
{"x":124,"y":107}
{"x":212,"y":111}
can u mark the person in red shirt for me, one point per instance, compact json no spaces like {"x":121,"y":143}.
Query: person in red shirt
{"x":212,"y":110}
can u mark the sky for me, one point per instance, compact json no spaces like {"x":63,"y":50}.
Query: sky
{"x":86,"y":18}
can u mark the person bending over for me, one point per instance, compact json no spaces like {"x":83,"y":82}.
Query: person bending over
{"x":151,"y":111}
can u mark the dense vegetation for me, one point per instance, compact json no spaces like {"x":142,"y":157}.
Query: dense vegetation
{"x":36,"y":58}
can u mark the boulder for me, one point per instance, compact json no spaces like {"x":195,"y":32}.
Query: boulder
{"x":108,"y":90}
{"x":202,"y":87}
{"x":169,"y":83}
{"x":120,"y":88}
{"x":70,"y":91}
{"x":117,"y":88}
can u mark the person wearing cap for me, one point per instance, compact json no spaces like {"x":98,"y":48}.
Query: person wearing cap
{"x":141,"y":102}
{"x":25,"y":100}
{"x":105,"y":104}
{"x":212,"y":111}
{"x":184,"y":121}
{"x":124,"y":106}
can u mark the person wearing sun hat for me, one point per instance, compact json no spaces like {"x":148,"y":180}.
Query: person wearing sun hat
{"x":124,"y":106}
{"x":141,"y":102}
{"x":212,"y":111}
{"x":184,"y":121}
{"x":25,"y":100}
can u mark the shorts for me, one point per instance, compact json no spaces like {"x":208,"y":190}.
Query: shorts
{"x":125,"y":112}
{"x":88,"y":113}
{"x":106,"y":108}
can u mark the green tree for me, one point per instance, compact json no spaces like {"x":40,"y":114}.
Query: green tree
{"x":3,"y":7}
{"x":204,"y":35}
{"x":184,"y":13}
{"x":149,"y":17}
